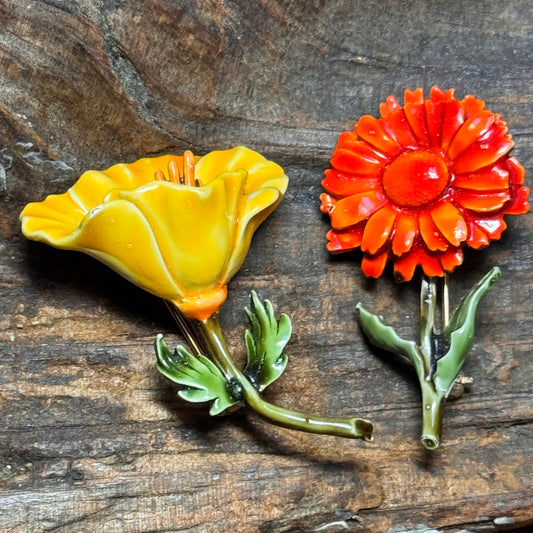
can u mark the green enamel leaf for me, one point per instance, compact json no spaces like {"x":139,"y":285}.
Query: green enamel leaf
{"x":385,"y":337}
{"x":460,"y":331}
{"x":265,"y":341}
{"x":202,"y":379}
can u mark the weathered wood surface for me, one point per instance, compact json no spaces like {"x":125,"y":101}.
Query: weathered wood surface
{"x":91,"y":439}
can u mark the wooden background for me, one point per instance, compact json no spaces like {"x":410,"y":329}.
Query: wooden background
{"x":91,"y":439}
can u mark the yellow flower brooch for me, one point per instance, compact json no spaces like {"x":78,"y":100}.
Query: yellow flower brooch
{"x":180,"y":227}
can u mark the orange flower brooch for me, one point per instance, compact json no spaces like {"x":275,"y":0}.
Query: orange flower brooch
{"x":415,"y":187}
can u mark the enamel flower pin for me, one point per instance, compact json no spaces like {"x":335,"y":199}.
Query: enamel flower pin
{"x":415,"y":187}
{"x":180,"y":228}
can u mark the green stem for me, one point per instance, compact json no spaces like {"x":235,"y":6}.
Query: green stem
{"x":432,"y":406}
{"x":432,"y":400}
{"x":353,"y":428}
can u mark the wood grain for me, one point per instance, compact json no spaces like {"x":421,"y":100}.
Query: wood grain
{"x":91,"y":439}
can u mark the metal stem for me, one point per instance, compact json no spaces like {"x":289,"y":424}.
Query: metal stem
{"x":445,"y":302}
{"x":428,"y":298}
{"x":185,"y":328}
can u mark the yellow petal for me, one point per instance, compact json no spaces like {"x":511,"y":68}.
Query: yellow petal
{"x":44,"y":229}
{"x":214,"y":163}
{"x":193,"y":226}
{"x":261,"y":172}
{"x":266,"y":174}
{"x":118,"y":234}
{"x":57,"y":208}
{"x":91,"y":189}
{"x":140,"y":172}
{"x":252,"y":212}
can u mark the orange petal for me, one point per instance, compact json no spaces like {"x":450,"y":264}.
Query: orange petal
{"x":356,"y":161}
{"x":388,"y":106}
{"x":435,"y":117}
{"x":341,"y":241}
{"x":450,"y":223}
{"x":477,"y":238}
{"x":471,"y":130}
{"x":430,"y":264}
{"x":493,"y":145}
{"x":378,"y":229}
{"x":451,"y":259}
{"x":345,"y":137}
{"x":416,"y":116}
{"x":454,"y":116}
{"x":404,"y":234}
{"x":396,"y":125}
{"x":370,"y":129}
{"x":353,"y":209}
{"x":484,"y":180}
{"x":437,"y":95}
{"x":472,"y":105}
{"x":520,"y":204}
{"x":482,"y":203}
{"x":340,"y":184}
{"x":405,"y":267}
{"x":373,"y":265}
{"x":415,"y":112}
{"x":431,"y":235}
{"x":516,"y":171}
{"x":328,"y":202}
{"x":493,"y":226}
{"x":365,"y":150}
{"x":413,"y":97}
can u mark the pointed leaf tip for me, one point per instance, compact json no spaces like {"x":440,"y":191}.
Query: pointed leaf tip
{"x":265,"y":342}
{"x":202,"y":379}
{"x":460,"y":331}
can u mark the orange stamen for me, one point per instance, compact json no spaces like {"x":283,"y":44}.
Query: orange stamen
{"x":159,"y":176}
{"x":174,"y":174}
{"x":180,"y":175}
{"x":188,"y":168}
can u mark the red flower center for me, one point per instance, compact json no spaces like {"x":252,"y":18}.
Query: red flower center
{"x":415,"y":178}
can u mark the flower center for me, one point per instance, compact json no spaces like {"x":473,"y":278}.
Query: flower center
{"x":415,"y":178}
{"x":175,"y":175}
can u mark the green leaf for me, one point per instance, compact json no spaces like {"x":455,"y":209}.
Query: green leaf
{"x":460,"y":331}
{"x":202,"y":379}
{"x":385,"y":337}
{"x":265,"y":342}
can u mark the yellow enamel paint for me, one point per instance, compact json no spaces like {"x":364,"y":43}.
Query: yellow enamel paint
{"x":180,"y":242}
